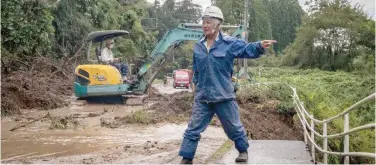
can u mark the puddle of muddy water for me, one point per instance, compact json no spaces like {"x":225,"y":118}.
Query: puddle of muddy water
{"x":38,"y":139}
{"x":37,"y":145}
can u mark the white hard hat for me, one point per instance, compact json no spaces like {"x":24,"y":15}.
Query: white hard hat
{"x":214,"y":12}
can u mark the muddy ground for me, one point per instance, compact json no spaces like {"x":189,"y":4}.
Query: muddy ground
{"x":83,"y":132}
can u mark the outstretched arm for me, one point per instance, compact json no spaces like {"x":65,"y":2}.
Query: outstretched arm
{"x":241,"y":49}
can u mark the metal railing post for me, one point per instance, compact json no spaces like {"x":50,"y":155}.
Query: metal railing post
{"x":313,"y":139}
{"x":304,"y":126}
{"x":346,"y":142}
{"x":325,"y":142}
{"x":302,"y":113}
{"x":305,"y":135}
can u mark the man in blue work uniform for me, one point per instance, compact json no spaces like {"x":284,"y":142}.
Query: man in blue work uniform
{"x":214,"y":92}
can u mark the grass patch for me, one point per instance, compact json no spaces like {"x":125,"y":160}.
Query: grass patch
{"x":158,"y":81}
{"x":140,"y":117}
{"x":63,"y":123}
{"x":137,"y":117}
{"x":226,"y":146}
{"x":286,"y":108}
{"x":326,"y":94}
{"x":262,"y":93}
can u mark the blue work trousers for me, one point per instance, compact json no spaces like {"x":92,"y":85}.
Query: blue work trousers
{"x":123,"y":69}
{"x":228,"y":114}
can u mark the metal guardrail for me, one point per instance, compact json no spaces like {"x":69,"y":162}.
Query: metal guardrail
{"x":302,"y":113}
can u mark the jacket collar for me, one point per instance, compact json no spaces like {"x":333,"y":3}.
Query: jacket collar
{"x":219,"y":36}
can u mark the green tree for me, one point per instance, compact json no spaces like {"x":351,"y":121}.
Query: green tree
{"x":166,"y":18}
{"x":259,"y":21}
{"x":72,"y":21}
{"x":331,"y":37}
{"x":233,"y":11}
{"x":26,"y":27}
{"x":171,"y":13}
{"x":75,"y":19}
{"x":285,"y":18}
{"x":268,"y":19}
{"x":188,"y":12}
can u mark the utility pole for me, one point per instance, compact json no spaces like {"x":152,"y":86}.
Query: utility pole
{"x":245,"y":64}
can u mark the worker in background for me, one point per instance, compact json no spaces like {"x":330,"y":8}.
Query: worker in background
{"x":213,"y":58}
{"x":108,"y":58}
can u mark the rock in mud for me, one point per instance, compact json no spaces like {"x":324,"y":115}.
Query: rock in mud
{"x":126,"y":147}
{"x":110,"y":123}
{"x":87,"y":161}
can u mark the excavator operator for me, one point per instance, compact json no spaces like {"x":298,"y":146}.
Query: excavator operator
{"x":213,"y":57}
{"x":108,"y":58}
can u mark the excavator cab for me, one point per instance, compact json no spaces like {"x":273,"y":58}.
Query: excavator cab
{"x":98,"y":79}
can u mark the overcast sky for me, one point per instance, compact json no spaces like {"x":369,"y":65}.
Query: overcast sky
{"x":369,"y":5}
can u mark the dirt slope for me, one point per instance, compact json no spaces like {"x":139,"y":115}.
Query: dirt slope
{"x":261,"y":119}
{"x":35,"y":87}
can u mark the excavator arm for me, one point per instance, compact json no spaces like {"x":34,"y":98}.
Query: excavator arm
{"x":171,"y":37}
{"x":185,"y":32}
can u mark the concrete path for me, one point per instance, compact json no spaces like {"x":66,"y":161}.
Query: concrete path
{"x":271,"y":152}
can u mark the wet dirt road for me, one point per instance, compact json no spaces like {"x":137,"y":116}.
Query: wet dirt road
{"x":84,"y":140}
{"x":169,"y":89}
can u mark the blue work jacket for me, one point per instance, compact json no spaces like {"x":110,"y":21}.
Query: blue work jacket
{"x":213,"y":69}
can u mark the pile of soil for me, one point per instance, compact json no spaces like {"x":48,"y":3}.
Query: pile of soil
{"x":152,"y":92}
{"x":263,"y":122}
{"x":174,"y":108}
{"x":155,"y":96}
{"x":35,"y":87}
{"x":177,"y":103}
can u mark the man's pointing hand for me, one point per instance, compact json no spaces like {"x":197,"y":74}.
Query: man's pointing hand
{"x":267,"y":43}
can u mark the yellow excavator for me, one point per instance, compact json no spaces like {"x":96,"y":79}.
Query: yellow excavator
{"x":92,"y":80}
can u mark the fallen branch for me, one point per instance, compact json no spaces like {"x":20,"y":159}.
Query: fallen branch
{"x":66,"y":61}
{"x":47,"y":62}
{"x":31,"y":70}
{"x":22,"y":62}
{"x":44,"y":155}
{"x":25,"y":124}
{"x":78,"y":115}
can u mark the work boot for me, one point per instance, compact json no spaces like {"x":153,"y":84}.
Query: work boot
{"x":124,"y":79}
{"x":186,"y":161}
{"x":243,"y":157}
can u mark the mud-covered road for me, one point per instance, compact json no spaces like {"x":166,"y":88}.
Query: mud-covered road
{"x":151,"y":132}
{"x":75,"y":134}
